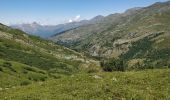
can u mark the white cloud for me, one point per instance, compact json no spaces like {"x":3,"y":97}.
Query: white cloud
{"x":70,"y":21}
{"x":75,"y":19}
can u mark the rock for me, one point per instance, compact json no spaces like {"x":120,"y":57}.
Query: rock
{"x":97,"y":77}
{"x":40,"y":83}
{"x":72,"y":75}
{"x":114,"y":79}
{"x":1,"y":89}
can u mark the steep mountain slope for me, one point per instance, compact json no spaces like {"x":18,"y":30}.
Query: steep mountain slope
{"x":46,"y":31}
{"x":117,"y":34}
{"x":29,"y":58}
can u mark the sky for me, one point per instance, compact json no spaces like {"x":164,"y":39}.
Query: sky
{"x":52,"y":12}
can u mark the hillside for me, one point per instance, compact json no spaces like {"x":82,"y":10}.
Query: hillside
{"x":135,"y":36}
{"x":141,"y":85}
{"x":25,"y":59}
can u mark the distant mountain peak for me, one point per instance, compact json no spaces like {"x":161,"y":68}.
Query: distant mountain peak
{"x":35,"y":23}
{"x":161,"y":3}
{"x":98,"y":17}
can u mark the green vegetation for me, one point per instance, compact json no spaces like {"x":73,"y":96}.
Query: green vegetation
{"x":1,"y":69}
{"x":143,"y":49}
{"x":36,"y":59}
{"x":36,"y":52}
{"x":140,"y":85}
{"x":138,"y":49}
{"x":26,"y":59}
{"x":14,"y":74}
{"x":113,"y":65}
{"x":133,"y":49}
{"x":9,"y":66}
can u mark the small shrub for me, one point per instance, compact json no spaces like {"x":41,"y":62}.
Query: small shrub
{"x":113,"y":65}
{"x":42,"y":72}
{"x":9,"y":66}
{"x":55,"y":76}
{"x":25,"y":82}
{"x":30,"y":69}
{"x":24,"y":71}
{"x":93,"y":68}
{"x":42,"y":78}
{"x":1,"y":69}
{"x":29,"y":78}
{"x":39,"y":78}
{"x":36,"y":77}
{"x":108,"y":68}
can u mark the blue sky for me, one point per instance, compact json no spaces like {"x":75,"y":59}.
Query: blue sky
{"x":61,"y":11}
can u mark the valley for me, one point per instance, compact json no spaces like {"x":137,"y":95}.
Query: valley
{"x":121,"y":56}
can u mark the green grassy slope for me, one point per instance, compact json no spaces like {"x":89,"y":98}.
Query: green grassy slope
{"x":16,"y":45}
{"x":140,"y":85}
{"x":14,"y":74}
{"x":25,"y":59}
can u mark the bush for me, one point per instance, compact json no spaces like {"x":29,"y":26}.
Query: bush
{"x":42,"y":72}
{"x":107,"y":67}
{"x":36,"y":77}
{"x":113,"y":65}
{"x":42,"y":78}
{"x":30,"y":69}
{"x":24,"y":71}
{"x":25,"y":82}
{"x":9,"y":66}
{"x":55,"y":76}
{"x":1,"y":69}
{"x":93,"y":68}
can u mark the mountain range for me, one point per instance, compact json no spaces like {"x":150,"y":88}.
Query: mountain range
{"x":135,"y":35}
{"x":46,"y":31}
